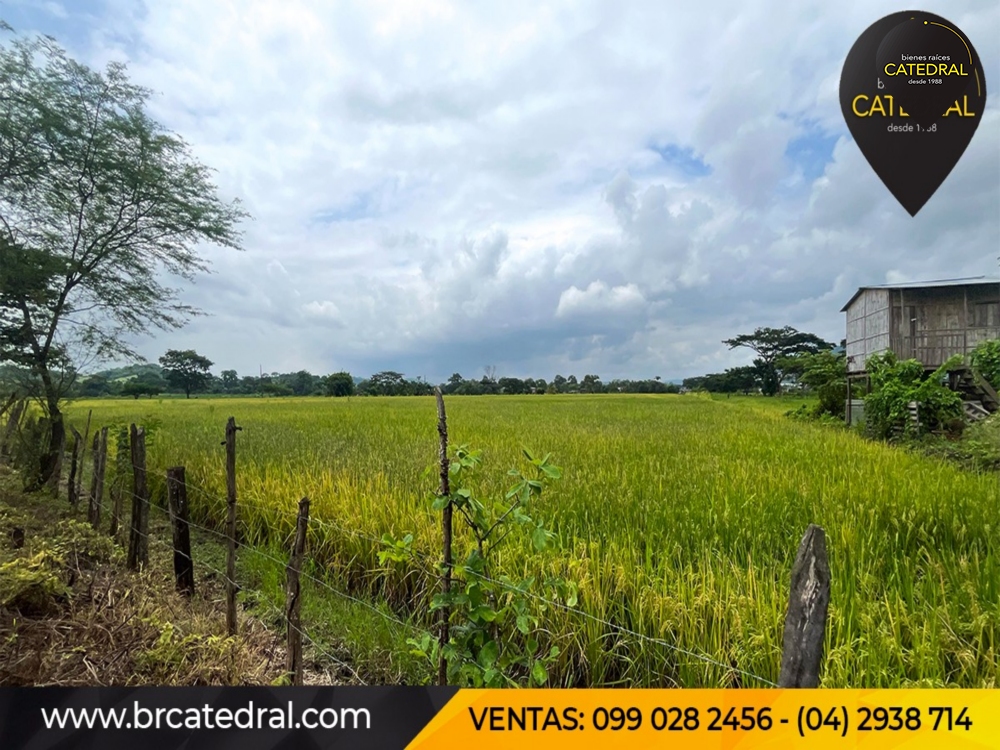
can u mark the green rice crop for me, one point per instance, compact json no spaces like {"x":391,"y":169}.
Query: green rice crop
{"x":678,"y":517}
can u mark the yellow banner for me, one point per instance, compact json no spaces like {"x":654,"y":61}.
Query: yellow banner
{"x":817,"y":719}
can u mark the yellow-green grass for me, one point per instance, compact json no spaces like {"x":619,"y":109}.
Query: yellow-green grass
{"x":678,"y":516}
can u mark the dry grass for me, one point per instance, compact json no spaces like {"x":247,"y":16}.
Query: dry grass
{"x":71,"y":615}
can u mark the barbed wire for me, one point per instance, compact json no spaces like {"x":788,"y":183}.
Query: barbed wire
{"x":307,"y":575}
{"x":424,"y":557}
{"x":260,"y":594}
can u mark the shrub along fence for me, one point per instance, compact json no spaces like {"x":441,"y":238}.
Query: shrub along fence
{"x":804,"y":625}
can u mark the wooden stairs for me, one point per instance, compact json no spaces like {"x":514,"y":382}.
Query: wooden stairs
{"x":979,"y":397}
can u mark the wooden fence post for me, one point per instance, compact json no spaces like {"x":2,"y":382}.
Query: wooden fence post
{"x":444,"y":490}
{"x":97,"y":480}
{"x":293,"y":600}
{"x":12,"y":424}
{"x":805,"y":622}
{"x":230,"y":444}
{"x":56,"y":477}
{"x":116,"y":490}
{"x":138,"y":543}
{"x":74,"y":465}
{"x":83,"y":454}
{"x":177,"y":499}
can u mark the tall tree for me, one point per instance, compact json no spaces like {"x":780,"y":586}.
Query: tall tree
{"x":186,"y":370}
{"x":230,"y":380}
{"x":771,"y":344}
{"x":97,"y":200}
{"x":339,"y":384}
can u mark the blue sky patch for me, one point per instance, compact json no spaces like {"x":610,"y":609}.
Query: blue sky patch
{"x":682,"y":159}
{"x":811,"y":152}
{"x":363,"y":205}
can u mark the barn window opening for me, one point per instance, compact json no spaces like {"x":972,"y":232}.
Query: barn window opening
{"x":987,"y":315}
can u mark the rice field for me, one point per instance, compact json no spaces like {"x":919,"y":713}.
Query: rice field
{"x":678,"y":517}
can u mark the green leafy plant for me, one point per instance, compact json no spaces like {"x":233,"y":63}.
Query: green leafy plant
{"x":895,"y":384}
{"x":985,"y":360}
{"x":493,"y":620}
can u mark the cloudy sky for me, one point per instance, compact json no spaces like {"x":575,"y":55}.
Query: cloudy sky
{"x":571,"y":187}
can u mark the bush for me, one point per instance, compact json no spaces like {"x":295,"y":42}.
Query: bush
{"x":985,"y":359}
{"x":895,"y":384}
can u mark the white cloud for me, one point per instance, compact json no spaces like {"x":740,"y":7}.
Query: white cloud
{"x":541,"y":186}
{"x":599,"y":298}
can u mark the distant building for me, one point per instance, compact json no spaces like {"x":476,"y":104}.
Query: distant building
{"x":928,"y":321}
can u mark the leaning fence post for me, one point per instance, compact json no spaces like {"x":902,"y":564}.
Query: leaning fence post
{"x":83,"y":454}
{"x":97,"y":481}
{"x":293,"y":600}
{"x":805,"y":622}
{"x":444,"y":490}
{"x":117,"y":488}
{"x":138,"y":543}
{"x":73,"y":496}
{"x":230,"y":444}
{"x":56,"y":477}
{"x":12,"y":424}
{"x":177,"y":500}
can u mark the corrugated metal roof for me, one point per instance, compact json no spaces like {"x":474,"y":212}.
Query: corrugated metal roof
{"x":968,"y":281}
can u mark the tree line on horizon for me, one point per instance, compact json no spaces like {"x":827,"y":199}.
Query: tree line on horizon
{"x":785,"y":358}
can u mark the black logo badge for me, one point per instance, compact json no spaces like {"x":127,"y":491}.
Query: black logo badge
{"x":912,"y":92}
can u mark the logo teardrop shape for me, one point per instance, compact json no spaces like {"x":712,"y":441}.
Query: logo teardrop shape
{"x":912,"y":92}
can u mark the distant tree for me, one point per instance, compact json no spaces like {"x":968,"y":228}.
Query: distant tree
{"x":454,"y":383}
{"x":559,"y":384}
{"x":488,"y":385}
{"x":512,"y":385}
{"x":302,"y":383}
{"x":387,"y":383}
{"x":418,"y":387}
{"x":249,"y":384}
{"x":339,"y":384}
{"x":572,"y":386}
{"x":186,"y":370}
{"x":95,"y":385}
{"x":470,"y":388}
{"x":591,"y":384}
{"x":139,"y":387}
{"x":772,"y":344}
{"x":742,"y":379}
{"x":271,"y":388}
{"x":230,"y":381}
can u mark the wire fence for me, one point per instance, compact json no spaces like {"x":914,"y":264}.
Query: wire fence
{"x":430,"y":562}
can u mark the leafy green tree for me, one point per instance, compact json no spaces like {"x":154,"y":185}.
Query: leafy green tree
{"x":186,"y":370}
{"x":272,"y":388}
{"x":454,"y":383}
{"x":302,"y":383}
{"x":230,"y":381}
{"x":97,"y":201}
{"x":741,"y":379}
{"x":387,"y":383}
{"x":95,"y":385}
{"x":339,"y":384}
{"x":512,"y":385}
{"x":591,"y":384}
{"x":826,"y":372}
{"x":772,"y":344}
{"x":138,"y":387}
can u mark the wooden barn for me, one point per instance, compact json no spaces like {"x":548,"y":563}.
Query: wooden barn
{"x":928,"y":321}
